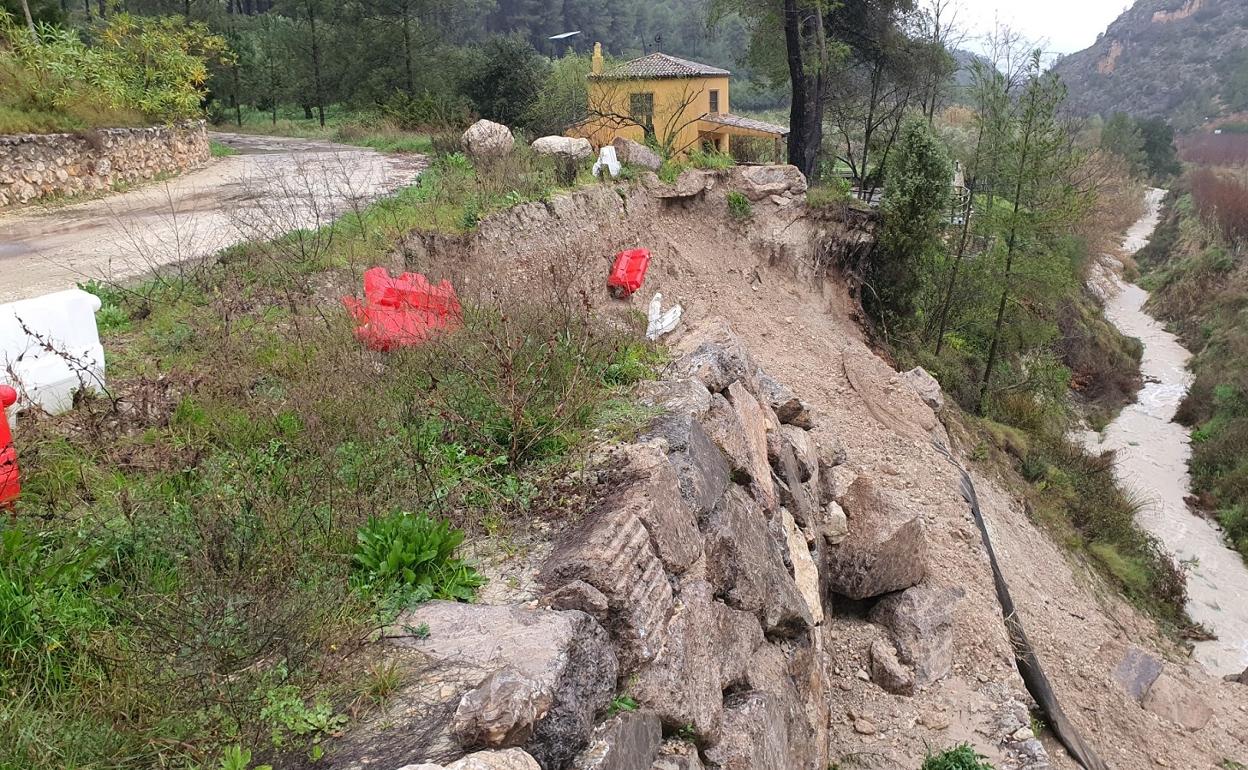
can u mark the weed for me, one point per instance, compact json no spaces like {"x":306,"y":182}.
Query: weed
{"x":962,"y":757}
{"x":621,"y":703}
{"x":710,"y":160}
{"x":220,"y":150}
{"x":739,"y":207}
{"x":411,"y":557}
{"x":289,"y":717}
{"x":237,"y":758}
{"x":384,"y":680}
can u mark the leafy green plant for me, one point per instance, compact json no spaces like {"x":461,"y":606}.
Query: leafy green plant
{"x":622,"y":703}
{"x":290,"y":717}
{"x":739,"y":207}
{"x":961,"y":757}
{"x":237,"y":758}
{"x":219,"y":150}
{"x":414,"y":556}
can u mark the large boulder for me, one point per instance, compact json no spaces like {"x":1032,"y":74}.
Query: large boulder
{"x":790,"y":409}
{"x":759,"y":182}
{"x":564,"y":147}
{"x":511,"y":759}
{"x":738,"y":425}
{"x":612,"y":552}
{"x":636,"y":154}
{"x":628,"y":741}
{"x":745,"y":564}
{"x":682,"y":682}
{"x":718,"y":359}
{"x":1137,"y":671}
{"x":805,"y":573}
{"x":701,"y":468}
{"x":925,"y":387}
{"x":884,"y":551}
{"x":920,"y":621}
{"x":492,"y":675}
{"x":755,"y":735}
{"x":1170,"y":700}
{"x":487,"y":139}
{"x":653,"y":496}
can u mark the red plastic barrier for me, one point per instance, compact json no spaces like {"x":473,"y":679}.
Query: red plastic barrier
{"x":404,"y":310}
{"x":10,"y":481}
{"x":628,"y":272}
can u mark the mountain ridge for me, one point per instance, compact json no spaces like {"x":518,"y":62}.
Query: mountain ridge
{"x":1184,"y":60}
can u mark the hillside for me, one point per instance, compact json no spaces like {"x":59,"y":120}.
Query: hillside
{"x":1186,"y":60}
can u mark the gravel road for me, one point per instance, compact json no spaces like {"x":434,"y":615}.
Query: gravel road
{"x":274,"y":185}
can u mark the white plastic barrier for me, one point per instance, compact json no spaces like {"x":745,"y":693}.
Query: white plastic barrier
{"x":50,"y":348}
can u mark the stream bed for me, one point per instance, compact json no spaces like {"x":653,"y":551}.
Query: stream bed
{"x":1152,"y":456}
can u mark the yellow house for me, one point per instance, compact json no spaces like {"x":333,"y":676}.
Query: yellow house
{"x":680,"y":104}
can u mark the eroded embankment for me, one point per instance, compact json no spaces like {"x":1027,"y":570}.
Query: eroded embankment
{"x":756,"y":278}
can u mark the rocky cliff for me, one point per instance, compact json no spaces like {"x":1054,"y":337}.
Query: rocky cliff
{"x":1183,"y":60}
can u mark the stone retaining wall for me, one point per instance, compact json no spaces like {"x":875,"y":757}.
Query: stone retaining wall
{"x":37,"y":166}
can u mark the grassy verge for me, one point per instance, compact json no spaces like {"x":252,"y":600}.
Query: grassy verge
{"x":201,"y":552}
{"x":341,"y":125}
{"x":1200,"y":286}
{"x":219,"y":150}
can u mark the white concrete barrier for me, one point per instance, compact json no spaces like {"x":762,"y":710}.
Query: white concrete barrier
{"x":50,"y":348}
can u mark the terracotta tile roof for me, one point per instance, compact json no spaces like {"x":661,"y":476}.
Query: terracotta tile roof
{"x":736,"y":121}
{"x":660,"y":65}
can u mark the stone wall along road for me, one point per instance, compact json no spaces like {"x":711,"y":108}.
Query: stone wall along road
{"x":274,"y":185}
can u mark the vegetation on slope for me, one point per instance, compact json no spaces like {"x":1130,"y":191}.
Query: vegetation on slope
{"x":1196,"y":265}
{"x":202,"y":551}
{"x":136,"y":70}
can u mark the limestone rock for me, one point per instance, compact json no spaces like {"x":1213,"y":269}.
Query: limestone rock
{"x":564,"y":146}
{"x":836,"y":524}
{"x":805,"y":573}
{"x":611,"y":551}
{"x":920,"y":620}
{"x":683,"y":397}
{"x":745,"y":565}
{"x":1136,"y":673}
{"x":689,"y":761}
{"x":487,"y":139}
{"x":681,"y":683}
{"x":759,"y":182}
{"x":628,"y":741}
{"x":579,"y":595}
{"x":771,"y":673}
{"x":885,"y":550}
{"x":1168,"y":699}
{"x":789,"y":408}
{"x":888,"y":672}
{"x":654,"y":497}
{"x":1238,"y":678}
{"x":511,"y":759}
{"x":701,"y":468}
{"x":738,"y":425}
{"x":502,"y":712}
{"x":805,"y":450}
{"x":636,"y":154}
{"x":835,"y":481}
{"x":566,"y":656}
{"x":720,"y":358}
{"x":755,"y":735}
{"x":926,"y":387}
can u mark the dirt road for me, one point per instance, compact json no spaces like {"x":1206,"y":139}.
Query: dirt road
{"x":274,"y":185}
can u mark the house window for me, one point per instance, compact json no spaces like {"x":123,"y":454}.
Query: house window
{"x":715,"y":101}
{"x":641,"y":108}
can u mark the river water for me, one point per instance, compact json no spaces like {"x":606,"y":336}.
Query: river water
{"x":1152,"y":455}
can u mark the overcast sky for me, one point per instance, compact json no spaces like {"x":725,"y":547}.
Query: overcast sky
{"x":1066,"y":25}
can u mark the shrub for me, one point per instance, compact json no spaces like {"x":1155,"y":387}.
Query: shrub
{"x":961,"y":757}
{"x":508,"y":81}
{"x":413,"y":556}
{"x":739,"y":207}
{"x":1222,"y":203}
{"x":428,"y":111}
{"x":710,"y":160}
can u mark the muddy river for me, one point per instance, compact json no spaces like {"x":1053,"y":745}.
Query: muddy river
{"x":1153,"y":451}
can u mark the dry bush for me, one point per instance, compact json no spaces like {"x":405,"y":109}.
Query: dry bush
{"x":1222,"y":202}
{"x":1226,"y":149}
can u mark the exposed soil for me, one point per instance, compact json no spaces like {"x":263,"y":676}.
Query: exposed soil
{"x":761,"y":278}
{"x":274,"y":185}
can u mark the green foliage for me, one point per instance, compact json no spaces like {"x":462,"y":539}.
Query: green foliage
{"x":413,"y":556}
{"x":136,"y":69}
{"x":238,"y":758}
{"x":830,"y":195}
{"x":621,"y":703}
{"x":1121,"y":136}
{"x":508,"y":83}
{"x":962,"y":757}
{"x":739,"y":207}
{"x":710,"y":160}
{"x":290,"y":718}
{"x":220,"y":150}
{"x":915,"y":208}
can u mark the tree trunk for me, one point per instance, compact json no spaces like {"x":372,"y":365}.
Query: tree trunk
{"x":806,"y":112}
{"x":316,"y":66}
{"x":238,"y":102}
{"x":86,"y":6}
{"x":30,"y":21}
{"x":407,"y":49}
{"x":957,"y":266}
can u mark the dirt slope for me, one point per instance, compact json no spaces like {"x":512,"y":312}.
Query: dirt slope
{"x":760,"y":277}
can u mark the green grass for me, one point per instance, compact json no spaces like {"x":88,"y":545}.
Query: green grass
{"x":962,"y":757}
{"x":220,"y":150}
{"x":344,"y":125}
{"x":194,"y":552}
